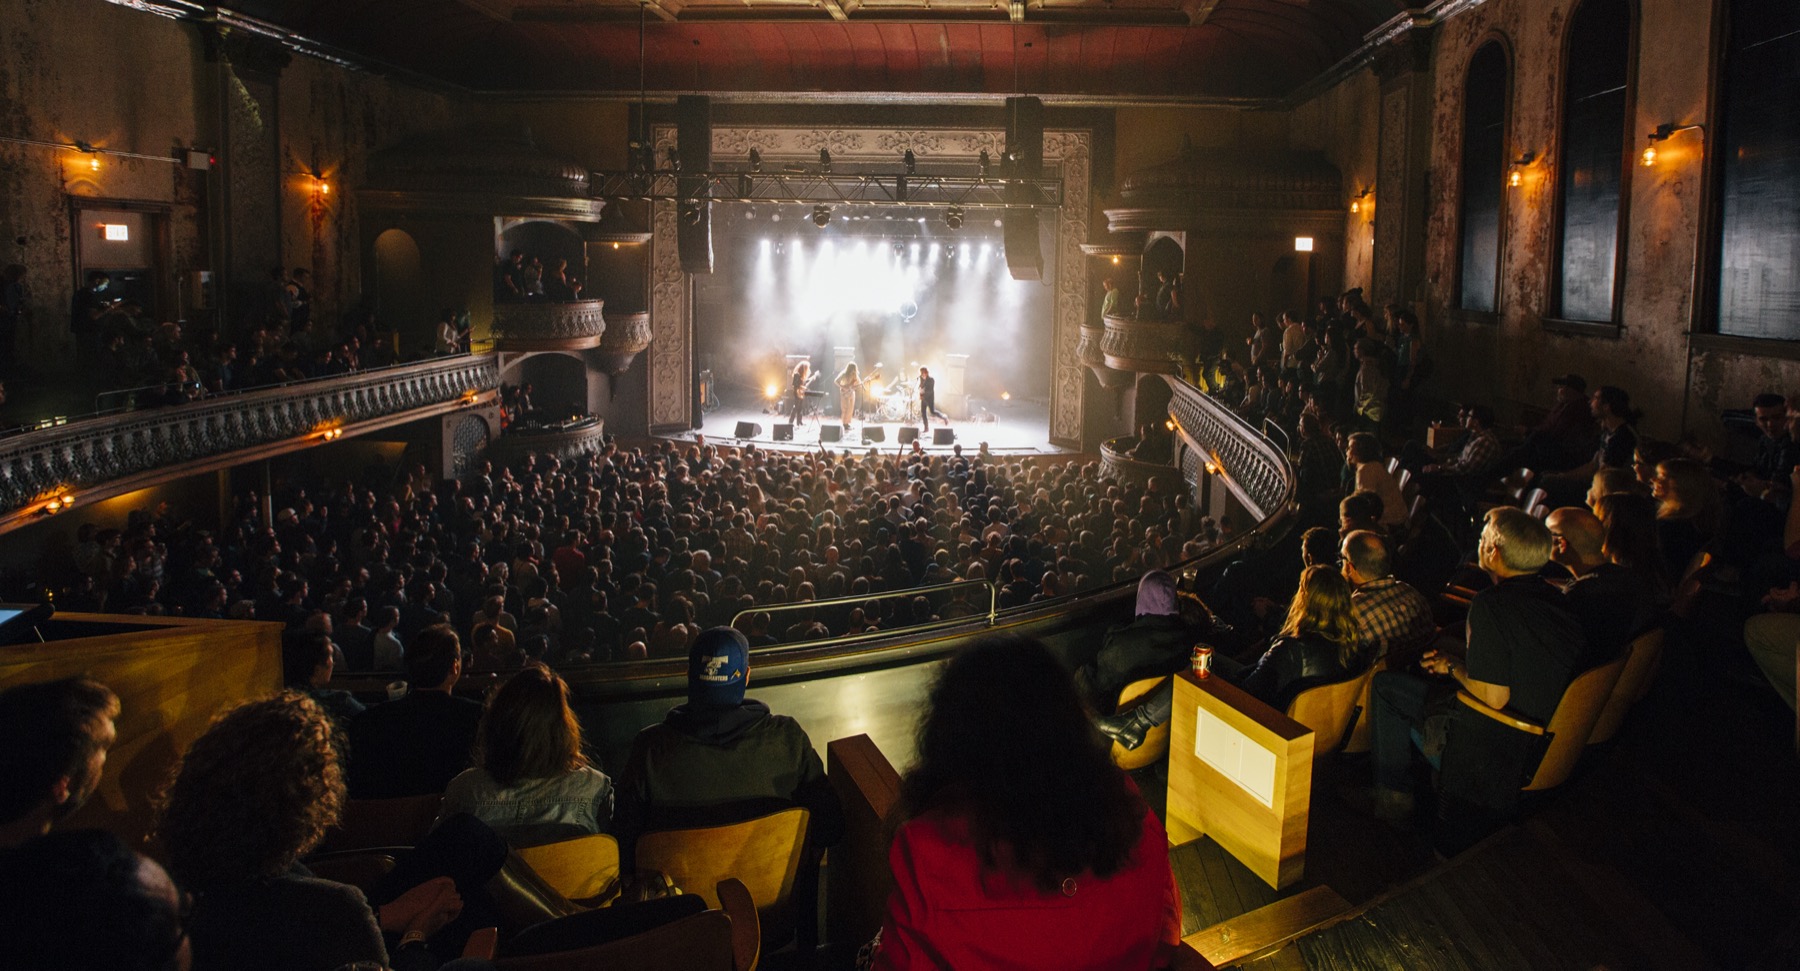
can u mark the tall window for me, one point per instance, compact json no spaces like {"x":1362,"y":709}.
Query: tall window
{"x":1595,"y":130}
{"x":1759,"y":172}
{"x":1483,"y":169}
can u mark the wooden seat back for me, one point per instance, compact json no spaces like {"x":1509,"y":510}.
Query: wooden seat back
{"x":1330,"y":710}
{"x":582,"y":869}
{"x":764,"y":853}
{"x":1687,"y":592}
{"x":1569,"y":727}
{"x":1361,"y":733}
{"x":383,"y":822}
{"x":1156,"y":740}
{"x":1634,"y":683}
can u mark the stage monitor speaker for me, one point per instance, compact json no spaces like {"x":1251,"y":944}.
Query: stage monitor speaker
{"x":784,"y":431}
{"x":943,"y":436}
{"x":908,"y":435}
{"x":693,"y":210}
{"x":747,"y":429}
{"x":874,"y":433}
{"x":831,"y":433}
{"x":1024,"y":161}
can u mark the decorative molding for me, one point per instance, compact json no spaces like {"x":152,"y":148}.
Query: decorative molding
{"x":671,"y":309}
{"x":1114,"y":463}
{"x":563,"y":445}
{"x":1255,"y":471}
{"x":1390,"y":189}
{"x":87,"y":455}
{"x":1071,"y":151}
{"x":1216,"y":221}
{"x":1088,"y":352}
{"x":536,"y":326}
{"x":1146,"y":346}
{"x":627,"y":336}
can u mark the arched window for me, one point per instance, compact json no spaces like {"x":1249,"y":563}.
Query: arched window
{"x":1758,"y":279}
{"x":1591,"y":174}
{"x":1483,"y":172}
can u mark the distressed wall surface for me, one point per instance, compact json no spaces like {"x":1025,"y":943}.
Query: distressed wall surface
{"x":1511,"y":359}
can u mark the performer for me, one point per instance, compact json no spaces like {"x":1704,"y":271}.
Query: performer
{"x":802,"y":377}
{"x":928,"y":399}
{"x":848,"y":381}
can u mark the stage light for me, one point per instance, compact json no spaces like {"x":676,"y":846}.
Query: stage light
{"x":899,"y":248}
{"x":775,"y":217}
{"x":750,"y":213}
{"x":744,"y":186}
{"x":953,"y":217}
{"x":824,"y":161}
{"x":909,"y":161}
{"x":765,"y":243}
{"x":998,"y":224}
{"x":674,"y":159}
{"x":1006,"y":396}
{"x":821,"y":214}
{"x":982,"y":163}
{"x":950,"y":252}
{"x":771,"y":390}
{"x":755,"y":160}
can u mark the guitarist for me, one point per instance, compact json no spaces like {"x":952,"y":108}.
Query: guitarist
{"x":848,"y":381}
{"x":798,"y":383}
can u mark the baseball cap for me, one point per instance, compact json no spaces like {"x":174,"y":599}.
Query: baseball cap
{"x":718,"y":666}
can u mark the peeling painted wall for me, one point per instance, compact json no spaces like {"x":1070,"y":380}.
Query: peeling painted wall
{"x":1511,"y":361}
{"x":1344,"y":124}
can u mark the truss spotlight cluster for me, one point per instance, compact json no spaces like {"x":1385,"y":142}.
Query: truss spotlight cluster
{"x":821,"y":216}
{"x":953,"y":217}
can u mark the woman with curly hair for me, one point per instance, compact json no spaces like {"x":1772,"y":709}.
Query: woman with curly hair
{"x":253,"y":795}
{"x":1316,"y":645}
{"x":1023,"y":846}
{"x":532,"y":783}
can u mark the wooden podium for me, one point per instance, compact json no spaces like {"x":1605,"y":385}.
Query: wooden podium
{"x":172,"y":675}
{"x":1241,"y":773}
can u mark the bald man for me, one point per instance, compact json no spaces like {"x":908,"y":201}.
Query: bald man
{"x":1611,"y":602}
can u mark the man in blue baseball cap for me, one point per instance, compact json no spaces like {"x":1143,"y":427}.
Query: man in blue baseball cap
{"x":722,"y":758}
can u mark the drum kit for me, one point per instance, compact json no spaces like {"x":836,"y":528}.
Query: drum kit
{"x":896,"y":402}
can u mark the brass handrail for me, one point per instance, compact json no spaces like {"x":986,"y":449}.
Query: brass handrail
{"x":992,"y":612}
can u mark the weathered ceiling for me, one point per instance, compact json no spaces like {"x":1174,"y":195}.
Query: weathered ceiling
{"x":1098,"y":49}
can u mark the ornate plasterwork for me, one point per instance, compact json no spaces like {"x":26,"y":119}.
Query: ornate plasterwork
{"x":1250,"y":465}
{"x":1068,"y":154}
{"x":1390,"y":189}
{"x":89,"y":454}
{"x":573,"y":325}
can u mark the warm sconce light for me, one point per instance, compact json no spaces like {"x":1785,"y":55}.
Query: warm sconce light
{"x":331,"y":434}
{"x":1115,"y":261}
{"x":1169,"y":424}
{"x":1517,"y":165}
{"x":1356,"y":204}
{"x":1303,"y":244}
{"x":1662,"y":134}
{"x":1006,"y":396}
{"x":615,"y":246}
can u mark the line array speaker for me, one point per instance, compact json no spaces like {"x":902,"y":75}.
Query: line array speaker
{"x":693,"y":216}
{"x":1024,"y":160}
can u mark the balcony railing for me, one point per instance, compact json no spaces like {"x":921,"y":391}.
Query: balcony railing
{"x":105,"y":455}
{"x":574,"y":325}
{"x":1146,"y":346}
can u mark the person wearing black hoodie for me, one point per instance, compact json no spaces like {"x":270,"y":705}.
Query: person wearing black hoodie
{"x":1156,"y":642}
{"x":722,"y":758}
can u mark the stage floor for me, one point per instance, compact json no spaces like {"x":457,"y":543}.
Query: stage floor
{"x":1016,"y":427}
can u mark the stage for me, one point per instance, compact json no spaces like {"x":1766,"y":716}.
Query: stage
{"x":1010,"y":427}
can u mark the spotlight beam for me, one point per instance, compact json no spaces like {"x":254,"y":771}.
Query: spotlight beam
{"x":837,"y":189}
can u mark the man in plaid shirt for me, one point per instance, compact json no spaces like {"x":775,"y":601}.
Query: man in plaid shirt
{"x":1392,"y":619}
{"x":1481,"y":449}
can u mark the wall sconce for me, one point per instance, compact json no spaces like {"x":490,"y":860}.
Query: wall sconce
{"x":1662,"y":134}
{"x":60,"y":502}
{"x":1115,"y":261}
{"x":1356,"y":204}
{"x":1516,"y":176}
{"x":331,"y":434}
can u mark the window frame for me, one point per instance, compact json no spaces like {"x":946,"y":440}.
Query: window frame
{"x":1556,"y":320}
{"x":1504,"y":45}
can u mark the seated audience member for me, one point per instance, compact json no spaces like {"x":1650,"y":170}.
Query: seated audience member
{"x":1155,"y":642}
{"x":84,"y":901}
{"x":1689,"y":513}
{"x":1364,"y":458}
{"x":1022,"y":845}
{"x":1567,"y":435}
{"x":1776,"y":451}
{"x":1360,"y":510}
{"x":1608,"y":481}
{"x":1480,"y":449}
{"x":723,"y":758}
{"x":1392,"y":619}
{"x":1628,"y":526}
{"x":1522,"y":647}
{"x":389,"y":653}
{"x":355,"y":637}
{"x":254,"y":794}
{"x":307,"y":662}
{"x":531,"y":781}
{"x":1774,"y":637}
{"x":1611,"y":602}
{"x":53,"y":741}
{"x":1611,"y":408}
{"x":416,"y":745}
{"x":1316,"y":644}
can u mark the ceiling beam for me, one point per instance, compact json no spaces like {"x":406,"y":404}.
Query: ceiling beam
{"x":836,"y":10}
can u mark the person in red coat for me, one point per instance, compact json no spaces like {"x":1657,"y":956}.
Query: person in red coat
{"x":1023,"y":846}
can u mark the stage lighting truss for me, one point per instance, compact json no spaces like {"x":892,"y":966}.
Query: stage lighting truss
{"x":918,"y":191}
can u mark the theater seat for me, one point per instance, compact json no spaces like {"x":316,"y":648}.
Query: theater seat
{"x":1331,"y":710}
{"x":584,"y":869}
{"x":1571,"y":725}
{"x":1361,"y":734}
{"x":1156,"y":740}
{"x":1634,"y":683}
{"x":723,"y":939}
{"x":764,"y":853}
{"x":383,"y":822}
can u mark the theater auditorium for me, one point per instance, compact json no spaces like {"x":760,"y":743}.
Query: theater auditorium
{"x":828,"y":484}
